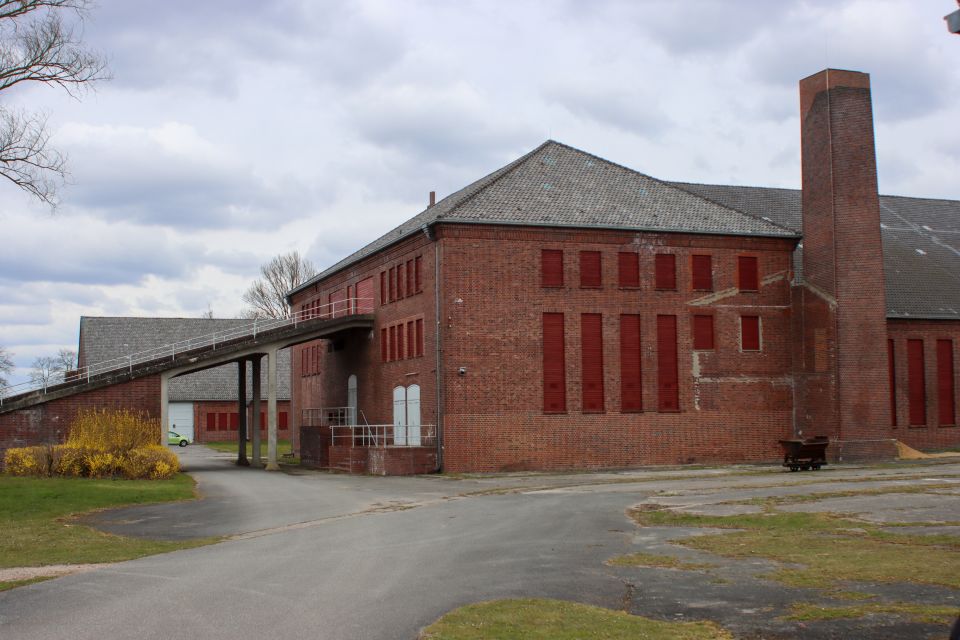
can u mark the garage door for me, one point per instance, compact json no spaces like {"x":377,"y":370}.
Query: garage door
{"x":181,"y":418}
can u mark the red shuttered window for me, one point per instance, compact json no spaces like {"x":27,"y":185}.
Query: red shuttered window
{"x":411,"y":340}
{"x":916,"y":383}
{"x":383,"y":287}
{"x":383,"y":344}
{"x":750,"y":333}
{"x":418,"y":281}
{"x":392,"y":283}
{"x":401,"y":281}
{"x":590,"y":276}
{"x":234,"y":421}
{"x":365,"y":296}
{"x":668,"y":390}
{"x":591,"y":351}
{"x":223,"y":421}
{"x":702,"y":332}
{"x":628,"y":268}
{"x":702,"y":270}
{"x":211,"y":422}
{"x":665,"y":272}
{"x":551,"y":268}
{"x":283,"y":420}
{"x":945,"y":384}
{"x":748,"y":277}
{"x":631,"y":388}
{"x":393,"y":342}
{"x":554,"y":365}
{"x":892,"y":379}
{"x":400,"y":354}
{"x":420,"y":337}
{"x":411,"y":286}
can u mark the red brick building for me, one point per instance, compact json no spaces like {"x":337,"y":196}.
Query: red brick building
{"x":568,"y":312}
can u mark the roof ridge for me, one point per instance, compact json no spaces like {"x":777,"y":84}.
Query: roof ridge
{"x":729,"y":208}
{"x":673,"y":185}
{"x":506,"y":170}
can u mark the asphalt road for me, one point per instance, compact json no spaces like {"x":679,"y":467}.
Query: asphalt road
{"x":318,"y":555}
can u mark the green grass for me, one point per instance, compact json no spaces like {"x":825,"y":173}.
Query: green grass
{"x":653,"y":560}
{"x":818,"y":548}
{"x":924,"y":613}
{"x":35,"y":518}
{"x":533,"y":619}
{"x":283,"y":446}
{"x":13,"y":584}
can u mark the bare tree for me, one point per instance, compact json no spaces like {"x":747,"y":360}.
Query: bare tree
{"x":45,"y":371}
{"x":66,"y":360}
{"x":208,"y":314}
{"x":6,"y":367}
{"x":266,"y":297}
{"x":37,"y":46}
{"x":48,"y":370}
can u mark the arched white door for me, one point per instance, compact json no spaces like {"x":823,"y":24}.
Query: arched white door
{"x":352,"y":398}
{"x":399,"y":416}
{"x":413,"y":415}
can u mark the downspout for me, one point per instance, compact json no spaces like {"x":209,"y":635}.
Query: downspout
{"x":437,"y":343}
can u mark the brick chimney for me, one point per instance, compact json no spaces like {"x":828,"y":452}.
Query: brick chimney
{"x":845,"y":391}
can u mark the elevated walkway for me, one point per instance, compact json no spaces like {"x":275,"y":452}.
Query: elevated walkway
{"x":248,"y":343}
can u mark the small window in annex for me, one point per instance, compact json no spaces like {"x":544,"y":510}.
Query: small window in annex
{"x":551,"y":268}
{"x":590,"y":270}
{"x":628,"y":267}
{"x":665,"y":272}
{"x":750,"y":333}
{"x":748,"y":278}
{"x":702,"y":269}
{"x":702,"y":332}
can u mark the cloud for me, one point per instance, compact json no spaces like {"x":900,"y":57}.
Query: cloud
{"x":626,"y":108}
{"x":171,"y":176}
{"x":892,"y":41}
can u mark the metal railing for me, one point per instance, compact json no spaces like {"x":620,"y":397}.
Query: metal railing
{"x":83,"y":375}
{"x":383,"y":435}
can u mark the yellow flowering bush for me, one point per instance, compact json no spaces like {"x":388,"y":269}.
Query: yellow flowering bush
{"x":28,"y":461}
{"x":101,"y":444}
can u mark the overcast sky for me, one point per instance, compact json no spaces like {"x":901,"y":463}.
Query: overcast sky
{"x":234,"y":130}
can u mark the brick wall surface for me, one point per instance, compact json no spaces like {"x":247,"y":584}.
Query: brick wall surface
{"x":734,"y":405}
{"x":932,"y":435}
{"x":358,"y":352}
{"x":49,"y":423}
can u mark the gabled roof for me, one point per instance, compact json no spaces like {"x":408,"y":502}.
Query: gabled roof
{"x":106,"y":338}
{"x":557,"y":185}
{"x":921,"y":244}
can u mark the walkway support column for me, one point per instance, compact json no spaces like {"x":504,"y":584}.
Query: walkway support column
{"x":164,"y":407}
{"x":242,"y":412}
{"x":272,"y":411}
{"x":256,"y":412}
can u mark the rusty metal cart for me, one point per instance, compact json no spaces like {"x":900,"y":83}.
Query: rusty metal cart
{"x":805,"y":454}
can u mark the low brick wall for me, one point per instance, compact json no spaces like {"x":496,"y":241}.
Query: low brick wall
{"x":350,"y":459}
{"x":401,"y":461}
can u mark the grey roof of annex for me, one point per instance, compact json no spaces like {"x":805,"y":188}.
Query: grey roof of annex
{"x":105,"y":338}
